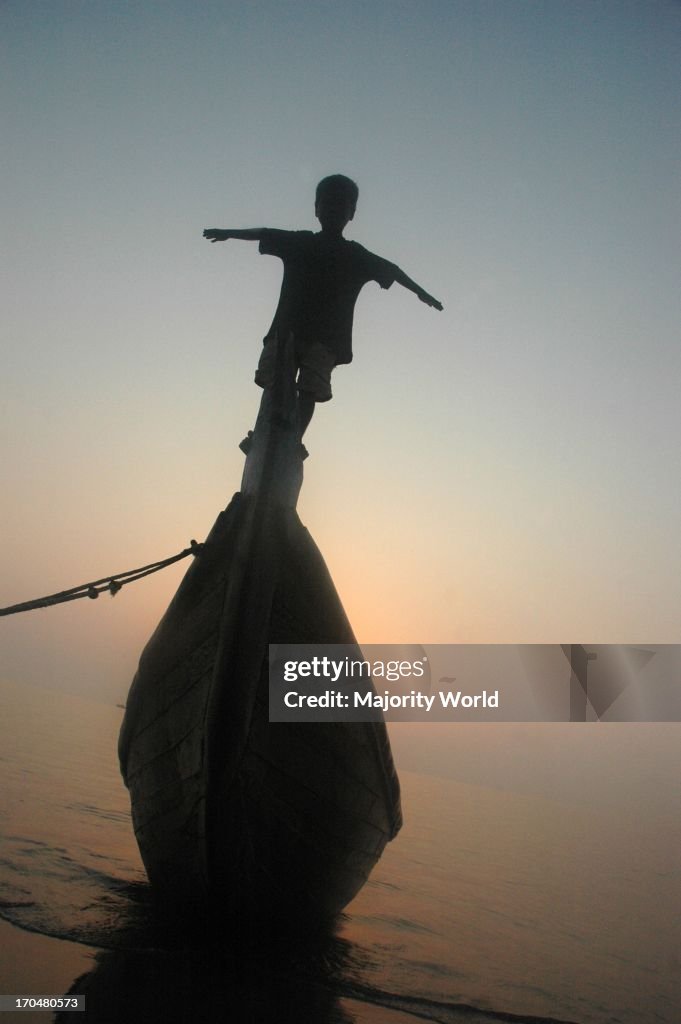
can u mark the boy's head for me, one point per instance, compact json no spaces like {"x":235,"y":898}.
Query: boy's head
{"x":335,"y":201}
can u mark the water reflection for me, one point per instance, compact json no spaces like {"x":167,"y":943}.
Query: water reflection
{"x":154,"y":985}
{"x":179,"y":975}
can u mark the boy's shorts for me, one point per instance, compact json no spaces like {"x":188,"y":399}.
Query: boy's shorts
{"x":315,"y":363}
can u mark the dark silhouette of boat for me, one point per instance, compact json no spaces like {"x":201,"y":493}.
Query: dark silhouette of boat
{"x":270,"y":822}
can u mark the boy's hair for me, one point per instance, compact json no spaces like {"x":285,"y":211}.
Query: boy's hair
{"x":339,"y":185}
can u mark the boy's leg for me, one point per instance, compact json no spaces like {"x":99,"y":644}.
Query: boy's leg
{"x":314,"y":381}
{"x":306,"y":404}
{"x":264,"y":374}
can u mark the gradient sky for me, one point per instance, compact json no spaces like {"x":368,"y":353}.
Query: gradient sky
{"x":505,"y":471}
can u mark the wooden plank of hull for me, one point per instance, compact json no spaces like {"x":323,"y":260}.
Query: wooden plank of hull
{"x":162,"y":740}
{"x":328,"y":805}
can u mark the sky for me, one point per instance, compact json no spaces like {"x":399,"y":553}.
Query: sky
{"x":505,"y":471}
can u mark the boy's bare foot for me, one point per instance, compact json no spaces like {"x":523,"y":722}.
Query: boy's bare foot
{"x":247,"y":442}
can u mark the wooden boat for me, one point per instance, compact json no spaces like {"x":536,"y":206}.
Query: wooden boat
{"x":273,"y":822}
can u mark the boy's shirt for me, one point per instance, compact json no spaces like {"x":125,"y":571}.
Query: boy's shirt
{"x":322,"y":279}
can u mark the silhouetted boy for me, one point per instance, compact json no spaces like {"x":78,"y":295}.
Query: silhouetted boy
{"x":323,"y":275}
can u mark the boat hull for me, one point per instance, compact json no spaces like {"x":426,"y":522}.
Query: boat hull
{"x":269,"y":822}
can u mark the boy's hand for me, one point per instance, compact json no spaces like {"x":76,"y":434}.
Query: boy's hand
{"x":216,"y":234}
{"x":429,"y":300}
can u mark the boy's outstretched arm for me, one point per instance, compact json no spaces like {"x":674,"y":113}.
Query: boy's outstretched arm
{"x":423,"y":295}
{"x":222,"y":234}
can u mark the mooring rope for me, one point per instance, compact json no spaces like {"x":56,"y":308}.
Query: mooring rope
{"x":111,"y":584}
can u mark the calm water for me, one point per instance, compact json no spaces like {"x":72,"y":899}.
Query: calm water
{"x":490,"y":903}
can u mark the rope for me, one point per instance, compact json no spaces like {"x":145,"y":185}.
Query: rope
{"x":112,"y":584}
